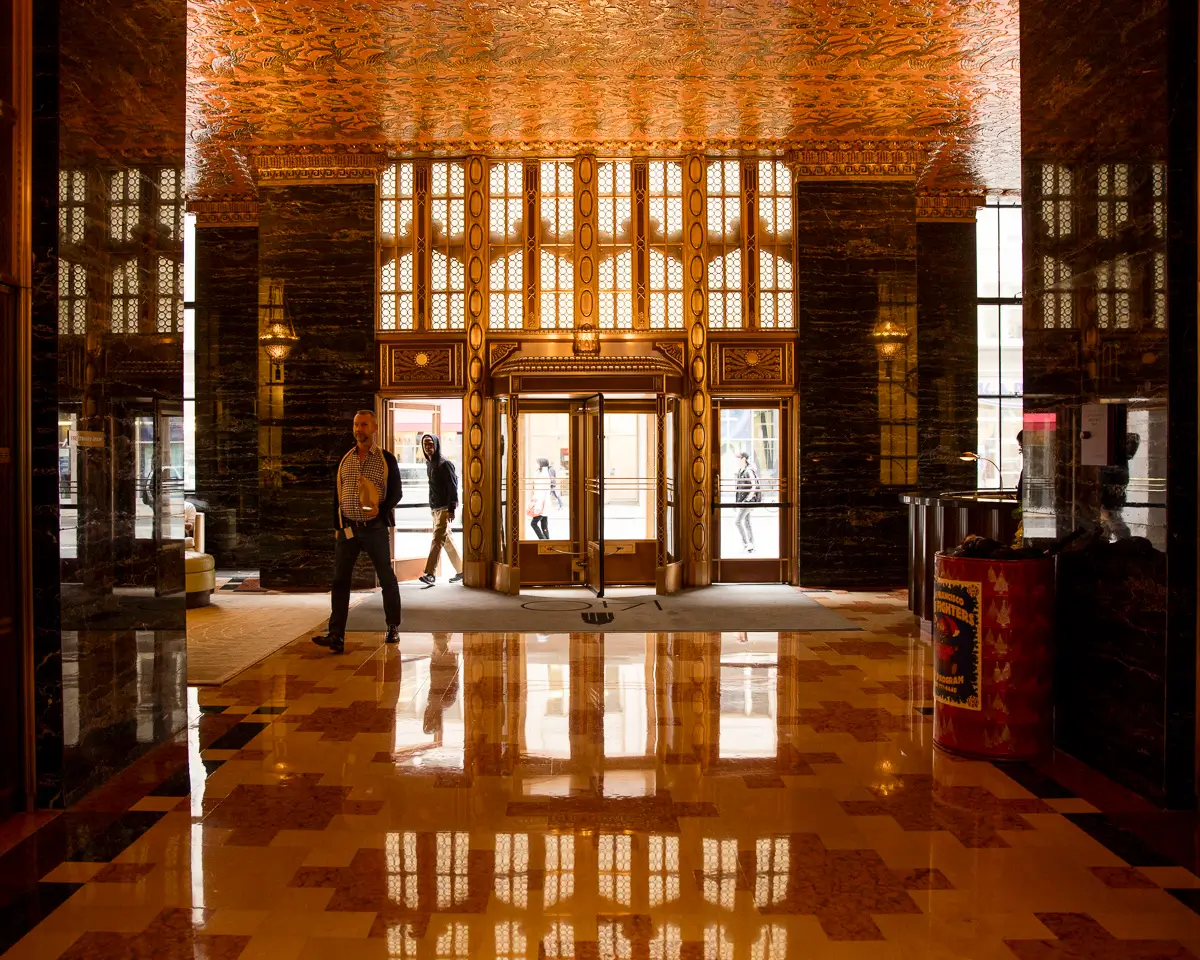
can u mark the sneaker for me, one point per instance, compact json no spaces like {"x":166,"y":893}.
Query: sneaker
{"x":393,"y":634}
{"x":428,"y":579}
{"x":457,"y":578}
{"x":335,"y":644}
{"x":750,"y":548}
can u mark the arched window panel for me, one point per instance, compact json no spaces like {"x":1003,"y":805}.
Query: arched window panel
{"x":124,"y":204}
{"x":725,"y":291}
{"x":666,"y":292}
{"x":448,"y":220}
{"x":396,"y":308}
{"x":170,"y":206}
{"x":614,"y":222}
{"x":507,"y":297}
{"x":616,"y":292}
{"x":556,"y":209}
{"x":169,"y":307}
{"x":775,"y":248}
{"x":448,"y":277}
{"x":775,"y":304}
{"x":724,"y":218}
{"x":507,"y":235}
{"x":126,"y":286}
{"x":556,"y":295}
{"x":664,"y":201}
{"x":397,"y":229}
{"x":72,"y":298}
{"x":72,"y":206}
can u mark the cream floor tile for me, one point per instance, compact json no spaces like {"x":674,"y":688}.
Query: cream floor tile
{"x":1173,"y":878}
{"x":330,"y":924}
{"x":275,"y":947}
{"x":42,"y":944}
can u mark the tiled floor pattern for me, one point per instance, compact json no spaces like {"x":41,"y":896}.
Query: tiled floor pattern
{"x":690,"y":796}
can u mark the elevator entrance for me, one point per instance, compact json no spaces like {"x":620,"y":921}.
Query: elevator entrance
{"x":586,"y":491}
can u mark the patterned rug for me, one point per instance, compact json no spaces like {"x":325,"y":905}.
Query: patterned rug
{"x":240,"y":628}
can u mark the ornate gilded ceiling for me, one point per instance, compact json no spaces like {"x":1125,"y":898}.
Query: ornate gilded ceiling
{"x":545,"y":76}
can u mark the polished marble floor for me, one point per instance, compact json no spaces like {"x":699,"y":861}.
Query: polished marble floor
{"x":691,"y":796}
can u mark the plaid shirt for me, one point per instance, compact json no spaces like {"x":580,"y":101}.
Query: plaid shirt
{"x":374,"y":468}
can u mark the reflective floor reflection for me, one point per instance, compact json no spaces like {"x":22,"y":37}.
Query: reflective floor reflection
{"x":713,"y":796}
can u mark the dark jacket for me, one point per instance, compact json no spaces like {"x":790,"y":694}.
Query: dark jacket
{"x":387,"y":504}
{"x":443,"y":479}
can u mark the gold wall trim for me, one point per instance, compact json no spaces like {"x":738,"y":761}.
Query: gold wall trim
{"x":949,"y":205}
{"x":407,"y":367}
{"x":225,"y":212}
{"x":291,"y":166}
{"x":860,"y":160}
{"x":753,"y":365}
{"x":478,"y":470}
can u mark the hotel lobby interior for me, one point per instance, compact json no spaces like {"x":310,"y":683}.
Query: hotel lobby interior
{"x":820,"y":378}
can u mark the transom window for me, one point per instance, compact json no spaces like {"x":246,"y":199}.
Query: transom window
{"x":448,"y":228}
{"x":614,"y":189}
{"x":507,"y":235}
{"x":397,"y":247}
{"x":775,"y":248}
{"x":556,"y":208}
{"x":664,"y":199}
{"x":535,"y":215}
{"x":725,"y":244}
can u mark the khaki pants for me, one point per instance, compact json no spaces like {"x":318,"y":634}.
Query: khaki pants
{"x":441,"y":540}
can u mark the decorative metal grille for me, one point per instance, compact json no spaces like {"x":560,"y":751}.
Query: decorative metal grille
{"x":724,"y":245}
{"x":665,"y":243}
{"x":615,"y":226}
{"x":776,"y":308}
{"x":397,"y":310}
{"x":506,"y":226}
{"x":556,"y":208}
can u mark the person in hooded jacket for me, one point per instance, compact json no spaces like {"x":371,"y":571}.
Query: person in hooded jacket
{"x":443,"y":502}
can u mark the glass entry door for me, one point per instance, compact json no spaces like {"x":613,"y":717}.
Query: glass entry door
{"x":753,"y":519}
{"x":594,"y":504}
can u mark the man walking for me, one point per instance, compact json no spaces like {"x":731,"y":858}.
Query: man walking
{"x":443,"y":502}
{"x":364,"y":501}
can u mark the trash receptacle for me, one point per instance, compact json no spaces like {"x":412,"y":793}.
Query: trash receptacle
{"x":993,"y":656}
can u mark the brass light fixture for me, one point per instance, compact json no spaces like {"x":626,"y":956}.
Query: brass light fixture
{"x":278,"y":336}
{"x":587,"y":339}
{"x":969,"y":457}
{"x":890,"y":337}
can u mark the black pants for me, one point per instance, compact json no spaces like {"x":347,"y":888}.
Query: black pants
{"x":541,"y":527}
{"x":375,"y":541}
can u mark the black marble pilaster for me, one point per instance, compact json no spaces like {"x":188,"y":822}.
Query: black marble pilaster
{"x":320,"y":242}
{"x":227,"y":357}
{"x":855,"y":240}
{"x":109,"y":620}
{"x":946,"y":307}
{"x":47,"y":641}
{"x":1098,"y":91}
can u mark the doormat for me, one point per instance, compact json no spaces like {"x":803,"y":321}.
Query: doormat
{"x":722,"y":608}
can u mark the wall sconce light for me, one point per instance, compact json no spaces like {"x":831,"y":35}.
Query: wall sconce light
{"x":278,"y":336}
{"x":890,"y":337}
{"x":587,"y":339}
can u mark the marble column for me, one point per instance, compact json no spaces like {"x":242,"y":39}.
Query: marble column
{"x":227,"y":382}
{"x":946,"y":298}
{"x":856,"y":259}
{"x":319,"y":241}
{"x":1109,"y":192}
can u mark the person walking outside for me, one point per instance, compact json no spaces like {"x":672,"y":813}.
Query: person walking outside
{"x":746,"y":493}
{"x":536,"y":510}
{"x":443,"y":502}
{"x":364,"y":501}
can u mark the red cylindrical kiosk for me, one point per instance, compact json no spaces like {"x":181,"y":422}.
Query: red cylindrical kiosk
{"x":993,"y":657}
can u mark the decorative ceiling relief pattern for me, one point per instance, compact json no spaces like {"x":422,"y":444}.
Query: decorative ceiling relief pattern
{"x":532,"y":77}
